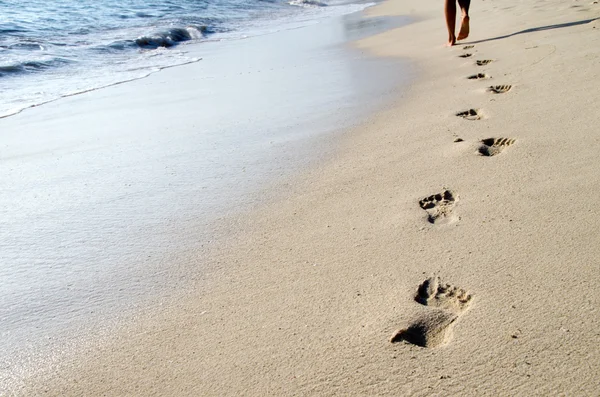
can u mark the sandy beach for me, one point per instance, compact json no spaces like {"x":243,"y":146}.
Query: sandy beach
{"x":447,"y":246}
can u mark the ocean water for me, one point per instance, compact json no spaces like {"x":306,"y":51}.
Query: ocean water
{"x":52,"y":49}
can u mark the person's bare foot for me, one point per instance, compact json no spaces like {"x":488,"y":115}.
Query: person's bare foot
{"x":451,"y":41}
{"x":464,"y":28}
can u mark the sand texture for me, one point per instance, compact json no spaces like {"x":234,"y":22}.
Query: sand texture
{"x":450,"y":247}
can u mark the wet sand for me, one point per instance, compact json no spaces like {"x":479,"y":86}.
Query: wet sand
{"x":110,"y":197}
{"x":448,"y":247}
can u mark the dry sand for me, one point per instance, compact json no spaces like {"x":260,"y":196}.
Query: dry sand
{"x":305,"y":299}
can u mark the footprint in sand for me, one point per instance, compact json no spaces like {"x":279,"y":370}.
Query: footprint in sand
{"x":468,"y":47}
{"x":479,"y":76}
{"x":500,"y":89}
{"x":471,"y":114}
{"x":483,"y":62}
{"x":445,"y":296}
{"x":434,"y":327}
{"x":493,"y":146}
{"x":440,"y":207}
{"x":467,"y":55}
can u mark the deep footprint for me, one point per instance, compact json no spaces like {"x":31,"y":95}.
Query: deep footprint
{"x":465,"y":55}
{"x":484,"y":62}
{"x":479,"y":76}
{"x":445,"y":296}
{"x":440,"y":207}
{"x":493,"y":146}
{"x":432,"y":329}
{"x":471,"y":114}
{"x":500,"y":89}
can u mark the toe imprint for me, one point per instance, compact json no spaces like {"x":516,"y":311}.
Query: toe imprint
{"x":440,"y":207}
{"x":471,"y":114}
{"x":468,"y":47}
{"x":500,"y":89}
{"x":432,"y":293}
{"x":467,"y":55}
{"x":479,"y":76}
{"x":484,"y":62}
{"x":493,"y":146}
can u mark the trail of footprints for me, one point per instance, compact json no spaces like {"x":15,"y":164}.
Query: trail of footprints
{"x":446,"y":303}
{"x":491,"y":146}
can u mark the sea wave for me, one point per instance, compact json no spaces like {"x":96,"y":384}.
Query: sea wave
{"x":172,"y":37}
{"x":6,"y":28}
{"x":32,"y":66}
{"x":307,"y":3}
{"x":25,"y":46}
{"x":52,"y":49}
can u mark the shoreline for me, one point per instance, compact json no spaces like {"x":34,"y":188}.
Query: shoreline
{"x":134,"y":201}
{"x":128,"y":52}
{"x":304,"y":300}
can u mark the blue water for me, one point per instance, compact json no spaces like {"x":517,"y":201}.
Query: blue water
{"x":51,"y":49}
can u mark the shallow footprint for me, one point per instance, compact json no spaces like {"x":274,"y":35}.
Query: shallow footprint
{"x":493,"y":146}
{"x":440,"y":207}
{"x":479,"y":76}
{"x":468,"y":47}
{"x":467,"y":55}
{"x":432,"y":329}
{"x":471,"y":114}
{"x":484,"y":62}
{"x":500,"y":89}
{"x":432,"y":293}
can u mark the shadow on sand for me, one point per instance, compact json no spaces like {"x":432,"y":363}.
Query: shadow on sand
{"x":538,"y":29}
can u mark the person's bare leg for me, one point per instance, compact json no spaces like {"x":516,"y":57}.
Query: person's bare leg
{"x":464,"y":24}
{"x":450,"y":10}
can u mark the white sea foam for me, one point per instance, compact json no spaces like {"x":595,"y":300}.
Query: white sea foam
{"x":307,"y":3}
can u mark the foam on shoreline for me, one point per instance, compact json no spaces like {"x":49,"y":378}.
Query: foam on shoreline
{"x":65,"y":52}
